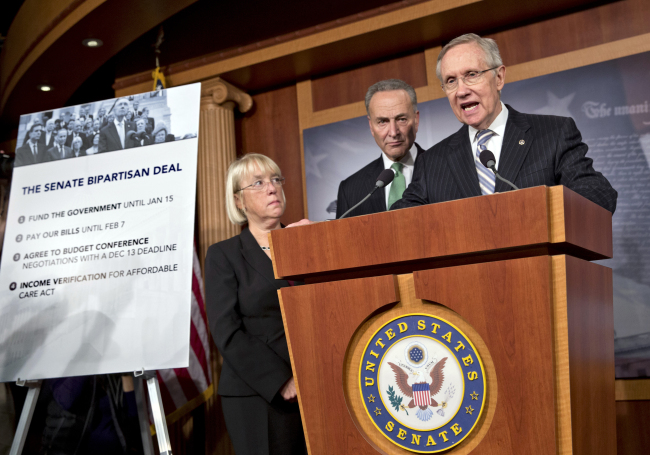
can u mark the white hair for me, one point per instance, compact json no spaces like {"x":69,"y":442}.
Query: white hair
{"x":489,"y":46}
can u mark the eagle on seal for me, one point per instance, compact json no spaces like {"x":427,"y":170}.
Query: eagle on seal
{"x":421,"y":393}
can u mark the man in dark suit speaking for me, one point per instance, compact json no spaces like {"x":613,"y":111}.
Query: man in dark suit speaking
{"x":393,"y":116}
{"x":113,"y":136}
{"x":530,"y":150}
{"x":33,"y":151}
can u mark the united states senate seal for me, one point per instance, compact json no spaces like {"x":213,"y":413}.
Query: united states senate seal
{"x":422,"y":383}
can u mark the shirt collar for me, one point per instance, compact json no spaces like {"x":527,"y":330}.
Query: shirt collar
{"x":498,"y":126}
{"x":407,"y":160}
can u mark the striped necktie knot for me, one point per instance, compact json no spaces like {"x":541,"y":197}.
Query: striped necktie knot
{"x":483,"y":138}
{"x":486,"y":178}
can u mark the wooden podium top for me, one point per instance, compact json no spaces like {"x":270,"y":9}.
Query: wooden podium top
{"x":529,"y":222}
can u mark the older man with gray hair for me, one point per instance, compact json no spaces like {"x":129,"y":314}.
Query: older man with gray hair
{"x":113,"y":136}
{"x":529,"y":150}
{"x":393,"y":116}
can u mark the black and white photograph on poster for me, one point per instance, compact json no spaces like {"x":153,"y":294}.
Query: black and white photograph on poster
{"x":105,"y":126}
{"x":97,"y":260}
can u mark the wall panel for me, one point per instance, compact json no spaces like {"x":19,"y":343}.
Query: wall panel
{"x":578,"y":30}
{"x":351,"y":86}
{"x":271,"y":128}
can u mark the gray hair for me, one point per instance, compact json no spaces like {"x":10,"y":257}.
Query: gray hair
{"x":390,"y":85}
{"x":489,"y":46}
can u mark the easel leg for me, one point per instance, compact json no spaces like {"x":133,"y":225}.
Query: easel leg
{"x":159,"y":416}
{"x":25,"y":416}
{"x":143,"y":416}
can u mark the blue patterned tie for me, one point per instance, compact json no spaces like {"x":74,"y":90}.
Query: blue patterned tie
{"x":486,"y":178}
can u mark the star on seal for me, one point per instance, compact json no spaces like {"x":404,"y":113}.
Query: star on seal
{"x":469,"y":410}
{"x":371,"y":399}
{"x":377,"y":411}
{"x":474,"y":396}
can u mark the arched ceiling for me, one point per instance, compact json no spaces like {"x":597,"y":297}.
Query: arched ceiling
{"x":44,"y":42}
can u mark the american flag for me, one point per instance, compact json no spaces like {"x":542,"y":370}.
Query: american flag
{"x":421,"y":394}
{"x":183,"y":389}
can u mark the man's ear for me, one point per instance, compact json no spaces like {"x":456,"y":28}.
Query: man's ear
{"x":501,"y":77}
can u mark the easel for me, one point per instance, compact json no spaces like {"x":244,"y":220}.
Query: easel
{"x":155,"y":400}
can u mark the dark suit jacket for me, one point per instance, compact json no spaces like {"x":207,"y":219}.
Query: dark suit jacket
{"x":359,"y":184}
{"x":109,"y":140}
{"x":53,"y":153}
{"x":50,"y":143}
{"x":24,"y":155}
{"x":245,"y":320}
{"x":135,"y":140}
{"x":537,"y":150}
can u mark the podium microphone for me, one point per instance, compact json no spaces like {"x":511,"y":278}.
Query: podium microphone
{"x":386,"y":176}
{"x":488,"y":160}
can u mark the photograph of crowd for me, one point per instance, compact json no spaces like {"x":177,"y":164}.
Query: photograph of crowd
{"x":101,"y":127}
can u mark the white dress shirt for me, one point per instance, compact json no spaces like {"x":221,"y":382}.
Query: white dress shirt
{"x":119,"y":126}
{"x":408,"y":160}
{"x":495,"y":143}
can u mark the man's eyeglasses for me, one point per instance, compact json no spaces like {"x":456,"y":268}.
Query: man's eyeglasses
{"x":471,"y":78}
{"x":261,"y":185}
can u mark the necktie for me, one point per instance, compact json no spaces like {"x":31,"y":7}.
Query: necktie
{"x":486,"y":178}
{"x":398,"y":186}
{"x":35,"y":150}
{"x":61,"y":151}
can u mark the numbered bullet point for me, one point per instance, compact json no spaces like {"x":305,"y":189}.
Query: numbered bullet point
{"x":19,"y":238}
{"x":17,"y":257}
{"x":12,"y":286}
{"x":21,"y":219}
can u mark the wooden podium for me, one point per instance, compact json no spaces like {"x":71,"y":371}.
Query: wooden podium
{"x":510,"y":270}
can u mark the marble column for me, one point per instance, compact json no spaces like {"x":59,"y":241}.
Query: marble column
{"x":216,"y":151}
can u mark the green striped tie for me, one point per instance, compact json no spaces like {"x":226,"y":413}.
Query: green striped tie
{"x":398,"y":186}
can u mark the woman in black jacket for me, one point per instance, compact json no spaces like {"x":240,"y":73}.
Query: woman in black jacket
{"x":256,"y":384}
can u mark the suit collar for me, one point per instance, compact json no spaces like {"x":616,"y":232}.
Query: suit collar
{"x":420,"y":150}
{"x":377,"y":202}
{"x":257,"y":258}
{"x":461,"y":163}
{"x":516,"y":144}
{"x":112,"y":130}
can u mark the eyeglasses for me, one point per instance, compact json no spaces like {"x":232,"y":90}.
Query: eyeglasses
{"x":261,"y":185}
{"x":471,"y":78}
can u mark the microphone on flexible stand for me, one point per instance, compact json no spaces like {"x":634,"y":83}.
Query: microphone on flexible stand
{"x":489,"y":161}
{"x":386,"y":176}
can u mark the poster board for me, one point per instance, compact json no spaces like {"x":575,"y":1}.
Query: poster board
{"x":97,"y":261}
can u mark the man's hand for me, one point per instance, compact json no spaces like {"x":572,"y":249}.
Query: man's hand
{"x":288,"y":391}
{"x":302,"y":222}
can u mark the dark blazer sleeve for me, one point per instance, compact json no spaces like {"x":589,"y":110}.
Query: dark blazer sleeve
{"x":575,"y":170}
{"x":103,"y":142}
{"x":342,"y":204}
{"x":416,"y":193}
{"x":251,"y":359}
{"x":23,"y":156}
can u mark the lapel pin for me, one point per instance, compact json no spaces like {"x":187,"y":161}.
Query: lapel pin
{"x":522,"y":142}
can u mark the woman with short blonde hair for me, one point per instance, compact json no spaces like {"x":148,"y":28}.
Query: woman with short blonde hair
{"x":76,"y":146}
{"x":257,"y":389}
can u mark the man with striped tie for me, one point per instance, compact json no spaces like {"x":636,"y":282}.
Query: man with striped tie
{"x":530,"y":150}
